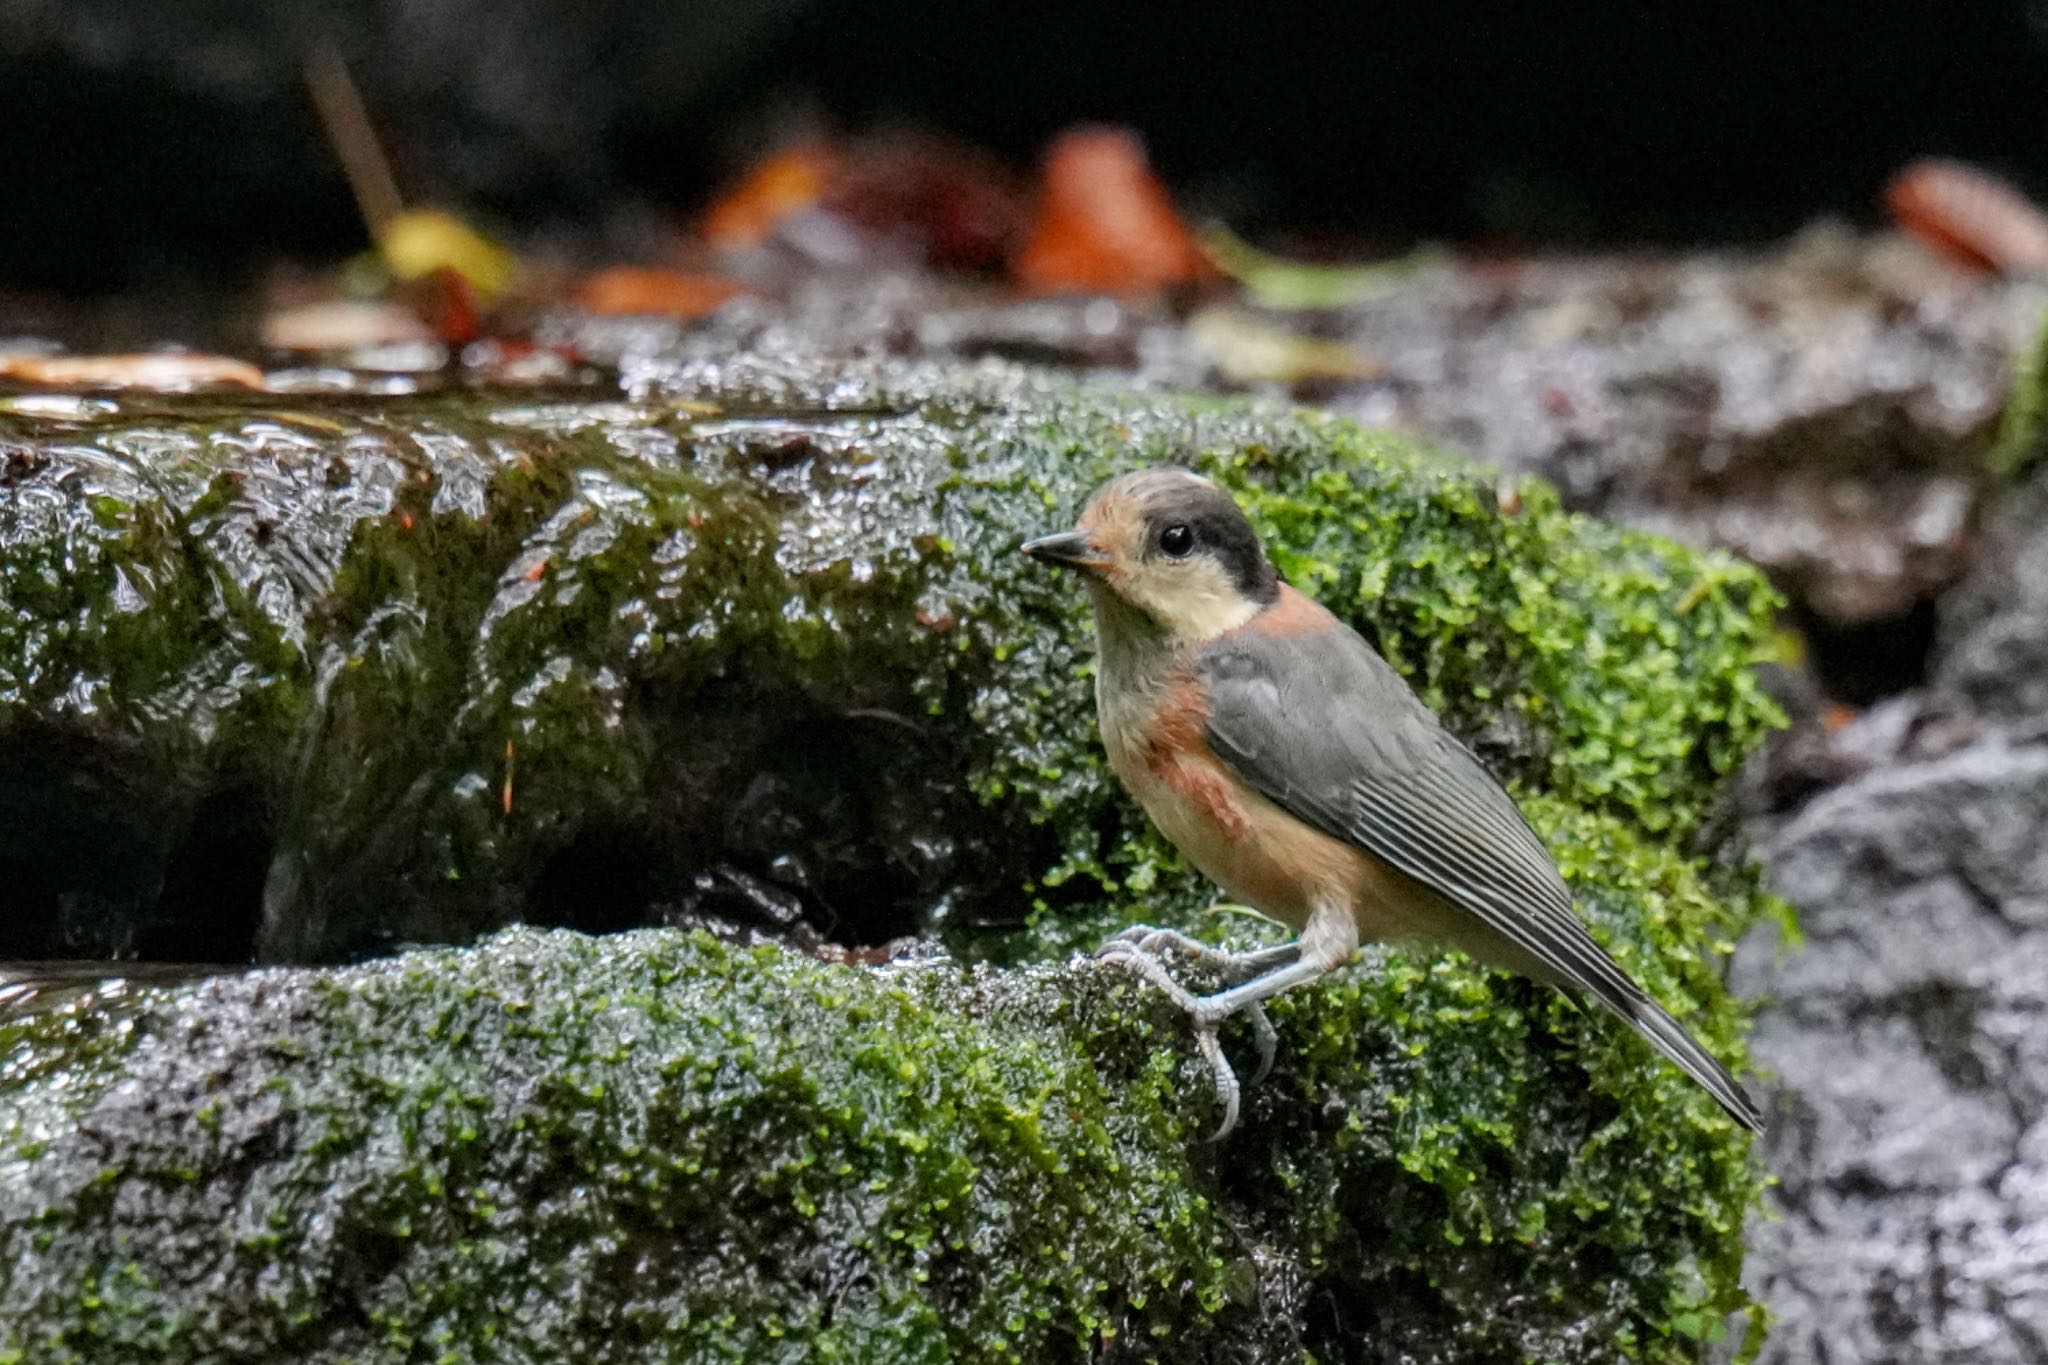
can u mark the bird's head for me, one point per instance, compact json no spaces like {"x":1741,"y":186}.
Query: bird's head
{"x":1169,"y":547}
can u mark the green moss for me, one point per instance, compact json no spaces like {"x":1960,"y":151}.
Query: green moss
{"x":1610,"y":666}
{"x":2023,"y":432}
{"x":655,"y":1147}
{"x":458,"y":660}
{"x":651,"y":1147}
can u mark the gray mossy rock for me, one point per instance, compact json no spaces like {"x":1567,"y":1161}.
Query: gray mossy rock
{"x":657,"y":1146}
{"x":323,"y":676}
{"x":1824,"y":408}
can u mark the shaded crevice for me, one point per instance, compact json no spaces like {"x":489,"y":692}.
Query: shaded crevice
{"x":1867,"y":661}
{"x":83,"y":824}
{"x":815,"y":824}
{"x":211,"y":903}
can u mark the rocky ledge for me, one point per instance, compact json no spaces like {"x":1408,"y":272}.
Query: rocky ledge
{"x":750,"y":646}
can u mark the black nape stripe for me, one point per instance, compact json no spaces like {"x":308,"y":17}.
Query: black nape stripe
{"x":1222,"y":532}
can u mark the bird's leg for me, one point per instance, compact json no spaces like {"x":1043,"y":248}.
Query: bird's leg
{"x":1126,"y":953}
{"x":1139,"y":951}
{"x":1213,"y":1009}
{"x":1329,"y":941}
{"x":1236,"y":966}
{"x":1144,"y":940}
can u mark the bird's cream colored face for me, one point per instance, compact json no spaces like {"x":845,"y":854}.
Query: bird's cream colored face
{"x":1137,"y":532}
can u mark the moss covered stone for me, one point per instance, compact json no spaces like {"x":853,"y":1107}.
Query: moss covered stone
{"x":504,"y":654}
{"x":2023,"y":430}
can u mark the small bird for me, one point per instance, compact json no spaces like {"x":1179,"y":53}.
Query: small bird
{"x":1290,"y":763}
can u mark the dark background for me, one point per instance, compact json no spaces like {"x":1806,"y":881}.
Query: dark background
{"x":151,"y":142}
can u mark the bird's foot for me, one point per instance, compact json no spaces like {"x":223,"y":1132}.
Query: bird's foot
{"x":1139,"y":950}
{"x":1155,"y":943}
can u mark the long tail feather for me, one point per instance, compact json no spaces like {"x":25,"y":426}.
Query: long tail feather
{"x":1670,"y":1038}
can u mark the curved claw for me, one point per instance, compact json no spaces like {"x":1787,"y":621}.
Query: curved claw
{"x":1152,"y":942}
{"x":1129,"y":934}
{"x":1226,"y":1079}
{"x":1131,"y":955}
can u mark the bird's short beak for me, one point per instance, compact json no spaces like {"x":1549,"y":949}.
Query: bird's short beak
{"x":1068,"y":549}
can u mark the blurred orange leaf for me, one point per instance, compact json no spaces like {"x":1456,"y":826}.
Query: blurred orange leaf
{"x":787,"y":183}
{"x":1969,"y":216}
{"x":948,"y":203}
{"x":627,"y":289}
{"x":1105,"y":222}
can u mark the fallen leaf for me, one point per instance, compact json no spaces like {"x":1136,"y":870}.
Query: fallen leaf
{"x":1105,"y":223}
{"x":777,"y":188}
{"x":941,"y":202}
{"x":1246,"y":350}
{"x":1507,"y":496}
{"x":163,"y":371}
{"x":449,"y":304}
{"x":426,"y":242}
{"x":341,"y":325}
{"x":626,"y":290}
{"x":1969,"y":216}
{"x":1281,"y":283}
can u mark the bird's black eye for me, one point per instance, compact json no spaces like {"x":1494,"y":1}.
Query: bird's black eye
{"x":1177,"y":540}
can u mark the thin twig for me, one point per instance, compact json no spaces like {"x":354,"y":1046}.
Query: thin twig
{"x":347,"y":123}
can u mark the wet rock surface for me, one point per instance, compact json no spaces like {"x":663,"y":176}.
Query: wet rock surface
{"x":653,"y":1146}
{"x":1821,"y":410}
{"x":1908,"y":1038}
{"x":281,"y":669}
{"x":1994,"y":627}
{"x":1910,"y":1030}
{"x":674,"y":657}
{"x":311,"y":676}
{"x":1824,"y":409}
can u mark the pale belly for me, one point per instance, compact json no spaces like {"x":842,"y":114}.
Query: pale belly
{"x":1256,"y":852}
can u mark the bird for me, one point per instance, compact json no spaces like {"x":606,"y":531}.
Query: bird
{"x":1294,"y":767}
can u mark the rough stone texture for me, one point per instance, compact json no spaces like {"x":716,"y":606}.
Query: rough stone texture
{"x":333,"y":673}
{"x":654,"y":1147}
{"x":1910,"y":1032}
{"x":1911,"y":1130}
{"x":1993,"y":649}
{"x":1820,"y":410}
{"x":350,"y":605}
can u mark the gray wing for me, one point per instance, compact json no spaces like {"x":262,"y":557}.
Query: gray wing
{"x":1339,"y":740}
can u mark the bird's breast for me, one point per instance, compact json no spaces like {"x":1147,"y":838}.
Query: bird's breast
{"x":1233,"y":834}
